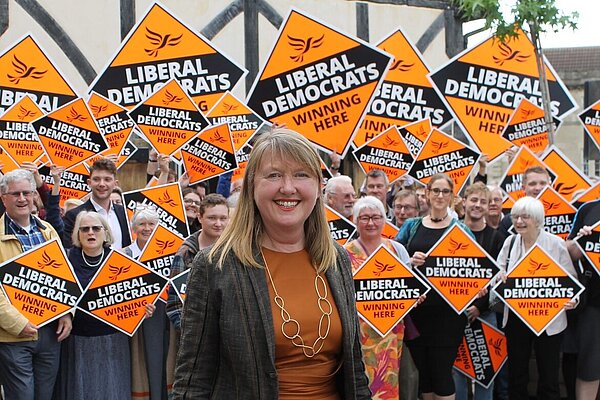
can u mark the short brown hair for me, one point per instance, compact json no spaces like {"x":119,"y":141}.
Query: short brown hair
{"x":212,"y":200}
{"x":104,"y":164}
{"x":477,"y":187}
{"x":536,"y":169}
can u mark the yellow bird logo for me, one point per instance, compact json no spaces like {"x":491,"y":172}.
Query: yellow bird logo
{"x":159,"y":41}
{"x":74,"y":115}
{"x":48,"y":261}
{"x":24,"y":113}
{"x":23,"y":71}
{"x":303,"y":46}
{"x":381,"y":268}
{"x":116,"y":271}
{"x":171,"y":98}
{"x":535,"y":266}
{"x":164,"y":245}
{"x":508,"y":54}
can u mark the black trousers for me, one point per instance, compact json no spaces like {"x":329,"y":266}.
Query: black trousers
{"x":519,"y":340}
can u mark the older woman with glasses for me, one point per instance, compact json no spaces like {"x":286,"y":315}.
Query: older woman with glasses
{"x":95,"y":360}
{"x":381,"y":354}
{"x":440,"y":327}
{"x":527,"y":217}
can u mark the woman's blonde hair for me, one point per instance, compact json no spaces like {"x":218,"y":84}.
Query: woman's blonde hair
{"x":108,"y":238}
{"x":246,"y":229}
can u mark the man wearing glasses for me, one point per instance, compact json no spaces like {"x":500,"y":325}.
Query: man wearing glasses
{"x":340,"y":195}
{"x":29,"y":356}
{"x":102,"y":181}
{"x":406,"y":205}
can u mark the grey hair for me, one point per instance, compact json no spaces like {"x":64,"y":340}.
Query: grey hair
{"x":16,"y":175}
{"x":334,"y":182}
{"x":370,"y":202}
{"x":531,"y":206}
{"x":75,"y":235}
{"x":145,"y":214}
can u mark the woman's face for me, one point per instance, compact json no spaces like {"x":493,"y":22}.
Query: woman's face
{"x":439,"y":195}
{"x":285,"y":194}
{"x":91,"y":234}
{"x":143,"y":230}
{"x":191,"y":201}
{"x":370,"y":223}
{"x":524,"y":224}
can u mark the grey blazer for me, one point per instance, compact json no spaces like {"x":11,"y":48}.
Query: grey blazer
{"x":227,"y":348}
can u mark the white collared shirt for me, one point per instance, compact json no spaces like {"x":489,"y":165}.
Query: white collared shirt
{"x":113,"y":222}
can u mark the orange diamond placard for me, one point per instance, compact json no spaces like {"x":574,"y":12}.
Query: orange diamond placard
{"x":26,"y":70}
{"x":590,"y":246}
{"x":179,"y":283}
{"x":168,"y":118}
{"x":340,"y":228}
{"x":442,"y":153}
{"x":242,"y":158}
{"x":243,"y":122}
{"x":512,"y":181}
{"x":484,"y":84}
{"x":405,"y":95}
{"x":592,"y":193}
{"x":159,"y":252}
{"x":318,"y":81}
{"x":386,"y":152}
{"x":386,"y":290}
{"x":457,"y":267}
{"x":527,"y":127}
{"x":415,"y":135}
{"x":569,"y":179}
{"x":70,"y":135}
{"x":166,"y":200}
{"x":389,"y":230}
{"x":559,"y":213}
{"x":590,"y":118}
{"x":537,"y":288}
{"x":160,"y":47}
{"x":73,"y":182}
{"x":209,"y":154}
{"x":119,"y":292}
{"x":41,"y":283}
{"x":17,"y":136}
{"x":113,"y":122}
{"x":482,"y":352}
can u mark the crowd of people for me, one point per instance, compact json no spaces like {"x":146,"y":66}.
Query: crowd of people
{"x":269,"y":309}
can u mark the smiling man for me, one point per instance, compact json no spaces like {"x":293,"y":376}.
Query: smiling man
{"x":340,"y":195}
{"x":29,"y":356}
{"x":102,"y":181}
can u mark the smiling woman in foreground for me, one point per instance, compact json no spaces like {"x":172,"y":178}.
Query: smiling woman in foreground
{"x":270,"y":311}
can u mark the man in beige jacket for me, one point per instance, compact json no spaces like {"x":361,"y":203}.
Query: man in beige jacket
{"x":29,"y":355}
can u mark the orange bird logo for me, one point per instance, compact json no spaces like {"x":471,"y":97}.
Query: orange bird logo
{"x":74,"y":115}
{"x":23,"y":71}
{"x":166,"y":199}
{"x":389,"y":142}
{"x":525,"y":113}
{"x":227,"y":108}
{"x":24,"y":113}
{"x":217,"y":137}
{"x":381,"y":268}
{"x":98,"y":109}
{"x":535,"y":266}
{"x":550,"y":206}
{"x":159,"y":41}
{"x":496,"y":345}
{"x":524,"y":164}
{"x":401,"y":65}
{"x":457,"y":246}
{"x":171,"y":98}
{"x":438,"y":146}
{"x":507,"y":54}
{"x":48,"y":261}
{"x":565,"y":189}
{"x":164,"y":245}
{"x":116,"y":271}
{"x":303,"y":46}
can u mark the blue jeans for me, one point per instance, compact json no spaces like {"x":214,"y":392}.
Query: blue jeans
{"x":29,"y":369}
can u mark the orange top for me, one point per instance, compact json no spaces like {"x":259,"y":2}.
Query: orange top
{"x":301,"y":377}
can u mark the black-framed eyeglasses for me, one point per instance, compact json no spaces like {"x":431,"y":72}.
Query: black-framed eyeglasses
{"x":406,"y":207}
{"x":366,"y":218}
{"x":94,"y":228}
{"x":444,"y":192}
{"x":194,"y":202}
